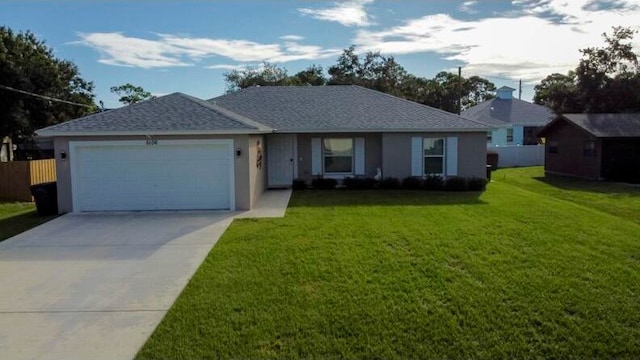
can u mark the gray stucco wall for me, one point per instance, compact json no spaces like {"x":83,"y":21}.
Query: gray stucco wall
{"x":392,"y":152}
{"x":249,"y":183}
{"x":372,"y":151}
{"x":396,"y":153}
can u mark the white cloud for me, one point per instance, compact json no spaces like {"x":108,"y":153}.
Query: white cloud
{"x":543,"y":38}
{"x":117,"y":49}
{"x":292,"y":37}
{"x":169,"y":50}
{"x":239,"y":50}
{"x":347,"y":13}
{"x":467,"y":7}
{"x":228,"y":67}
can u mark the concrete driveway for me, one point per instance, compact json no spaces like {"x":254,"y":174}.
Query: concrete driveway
{"x":96,"y":286}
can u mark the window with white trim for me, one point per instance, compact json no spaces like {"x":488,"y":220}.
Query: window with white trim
{"x":337,"y":155}
{"x":433,"y":149}
{"x":510,"y":135}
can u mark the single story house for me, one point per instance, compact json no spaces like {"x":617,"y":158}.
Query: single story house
{"x":179,"y":152}
{"x":515,"y":121}
{"x":594,"y":146}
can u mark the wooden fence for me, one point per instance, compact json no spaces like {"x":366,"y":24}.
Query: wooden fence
{"x":16,"y":177}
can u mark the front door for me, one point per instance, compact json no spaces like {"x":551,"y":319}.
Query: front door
{"x":280,"y":159}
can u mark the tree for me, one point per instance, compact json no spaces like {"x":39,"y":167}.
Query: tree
{"x":604,"y":72}
{"x":559,"y":93}
{"x":28,"y":65}
{"x":446,"y":89}
{"x":476,"y":90}
{"x":373,"y":71}
{"x":311,"y":76}
{"x":266,"y":75}
{"x":607,"y":79}
{"x":131,"y":94}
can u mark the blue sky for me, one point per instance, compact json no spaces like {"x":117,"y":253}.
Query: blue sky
{"x":185,"y":46}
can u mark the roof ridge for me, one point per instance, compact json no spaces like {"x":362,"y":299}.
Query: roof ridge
{"x":418,"y":104}
{"x":100,"y":112}
{"x":226,"y":113}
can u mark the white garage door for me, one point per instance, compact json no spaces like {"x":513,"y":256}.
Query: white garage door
{"x":152,"y":175}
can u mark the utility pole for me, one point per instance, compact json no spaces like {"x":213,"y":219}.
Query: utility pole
{"x":520,"y":91}
{"x":459,"y":90}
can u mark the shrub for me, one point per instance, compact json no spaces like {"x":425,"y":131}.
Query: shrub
{"x":455,"y":184}
{"x":476,"y":184}
{"x":359,"y":183}
{"x":390,"y":183}
{"x":412,"y":183}
{"x":324,"y":184}
{"x":299,"y":184}
{"x":433,"y":182}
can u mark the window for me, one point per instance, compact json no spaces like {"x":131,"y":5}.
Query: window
{"x":338,"y":156}
{"x":510,"y":135}
{"x":553,"y":147}
{"x":433,"y":156}
{"x":589,"y":148}
{"x":489,"y":136}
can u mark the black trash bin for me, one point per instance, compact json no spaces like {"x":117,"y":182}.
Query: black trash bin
{"x":489,"y":172}
{"x":46,"y":197}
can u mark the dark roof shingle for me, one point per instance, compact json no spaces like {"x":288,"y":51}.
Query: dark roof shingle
{"x":501,"y":112}
{"x":338,"y":108}
{"x":604,"y":125}
{"x":174,"y":112}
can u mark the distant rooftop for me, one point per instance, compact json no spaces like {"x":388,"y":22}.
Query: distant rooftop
{"x":503,"y":112}
{"x":603,"y":125}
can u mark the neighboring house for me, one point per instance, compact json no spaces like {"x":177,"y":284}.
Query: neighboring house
{"x":180,"y":152}
{"x":515,"y":121}
{"x":594,"y":146}
{"x":516,"y":124}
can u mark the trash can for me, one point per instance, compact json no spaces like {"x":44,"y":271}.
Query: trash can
{"x":46,"y":198}
{"x":489,"y":172}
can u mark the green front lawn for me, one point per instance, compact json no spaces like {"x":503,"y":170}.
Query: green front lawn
{"x":515,"y":272}
{"x":17,"y":217}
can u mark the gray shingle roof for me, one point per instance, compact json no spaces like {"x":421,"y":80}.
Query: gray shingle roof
{"x":604,"y":125}
{"x":338,"y":108}
{"x":171,"y":113}
{"x":503,"y":112}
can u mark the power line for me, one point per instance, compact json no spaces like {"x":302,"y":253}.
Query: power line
{"x":45,"y":97}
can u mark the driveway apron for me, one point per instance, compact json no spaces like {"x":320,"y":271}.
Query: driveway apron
{"x":95,"y":286}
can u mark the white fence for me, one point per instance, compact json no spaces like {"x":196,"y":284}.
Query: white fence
{"x":518,"y":155}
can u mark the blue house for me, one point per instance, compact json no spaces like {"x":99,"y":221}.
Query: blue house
{"x":515,"y":126}
{"x":516,"y":121}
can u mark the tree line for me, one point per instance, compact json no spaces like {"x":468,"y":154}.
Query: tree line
{"x":446,"y":91}
{"x":37,"y":89}
{"x":606,"y":80}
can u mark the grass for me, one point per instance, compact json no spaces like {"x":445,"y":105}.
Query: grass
{"x":515,"y":272}
{"x":17,"y":217}
{"x":618,"y":199}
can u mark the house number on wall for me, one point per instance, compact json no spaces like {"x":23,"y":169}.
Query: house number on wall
{"x":152,"y":142}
